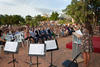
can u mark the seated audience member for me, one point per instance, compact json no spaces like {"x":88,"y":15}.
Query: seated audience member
{"x":32,"y":35}
{"x":69,"y":30}
{"x":37,"y":35}
{"x":43,"y":35}
{"x":26,"y":34}
{"x":2,"y":41}
{"x":49,"y":33}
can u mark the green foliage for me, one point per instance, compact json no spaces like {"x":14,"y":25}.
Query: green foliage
{"x":34,"y":21}
{"x":11,"y":19}
{"x":17,"y":19}
{"x":97,"y":3}
{"x":78,"y":10}
{"x":28,"y":19}
{"x":62,"y":22}
{"x":54,"y":16}
{"x":40,"y":18}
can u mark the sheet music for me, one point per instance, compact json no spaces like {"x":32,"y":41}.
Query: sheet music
{"x":51,"y":44}
{"x":79,"y":32}
{"x":36,"y":49}
{"x":11,"y":46}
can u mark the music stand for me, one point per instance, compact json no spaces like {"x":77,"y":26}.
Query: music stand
{"x":12,"y":47}
{"x":36,"y":50}
{"x":51,"y":45}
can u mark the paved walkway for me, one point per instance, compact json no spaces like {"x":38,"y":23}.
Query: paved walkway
{"x":58,"y":56}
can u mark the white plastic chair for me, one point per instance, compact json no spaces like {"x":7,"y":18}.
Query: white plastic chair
{"x":19,"y":38}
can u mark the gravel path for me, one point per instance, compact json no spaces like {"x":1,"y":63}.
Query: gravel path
{"x":59,"y":56}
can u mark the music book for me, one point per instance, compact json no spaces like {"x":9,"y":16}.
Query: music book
{"x":79,"y":32}
{"x":37,"y":49}
{"x":11,"y":47}
{"x":51,"y":45}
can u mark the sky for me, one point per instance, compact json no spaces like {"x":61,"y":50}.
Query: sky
{"x":32,"y":7}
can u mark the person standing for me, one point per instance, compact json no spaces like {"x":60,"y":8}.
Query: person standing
{"x":86,"y":45}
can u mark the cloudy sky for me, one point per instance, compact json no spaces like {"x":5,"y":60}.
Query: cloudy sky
{"x":31,"y":7}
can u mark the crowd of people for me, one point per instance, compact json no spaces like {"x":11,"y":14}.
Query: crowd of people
{"x":36,"y":34}
{"x":27,"y":34}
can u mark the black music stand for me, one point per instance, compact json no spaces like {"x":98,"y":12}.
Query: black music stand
{"x":36,"y":50}
{"x":12,"y":47}
{"x":51,"y":45}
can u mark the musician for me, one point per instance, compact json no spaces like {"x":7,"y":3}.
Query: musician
{"x":86,"y":45}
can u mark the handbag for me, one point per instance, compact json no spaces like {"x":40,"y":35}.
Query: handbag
{"x":69,"y":63}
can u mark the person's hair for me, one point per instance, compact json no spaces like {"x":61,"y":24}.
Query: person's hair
{"x":1,"y":33}
{"x":88,"y":26}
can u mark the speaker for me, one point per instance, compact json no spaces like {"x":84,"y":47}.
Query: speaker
{"x":69,"y":63}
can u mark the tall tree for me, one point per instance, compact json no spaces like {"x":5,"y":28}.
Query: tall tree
{"x":17,"y":19}
{"x":54,"y":16}
{"x":78,"y":10}
{"x":11,"y":19}
{"x":28,"y":19}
